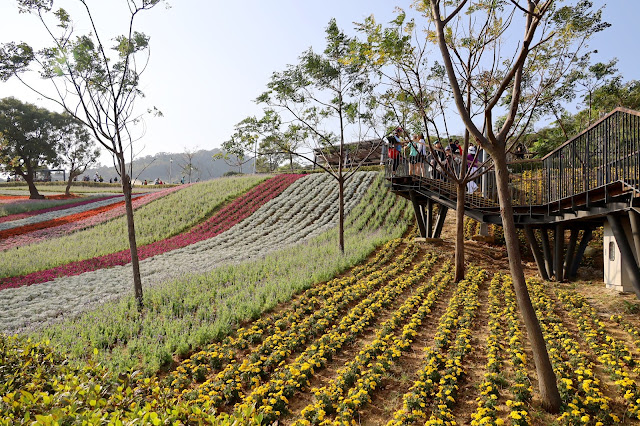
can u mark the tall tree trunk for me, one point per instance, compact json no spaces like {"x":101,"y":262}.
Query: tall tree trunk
{"x":460,"y":193}
{"x":135,"y":262}
{"x":341,"y":212}
{"x":546,"y":377}
{"x":33,"y":191}
{"x":67,"y":190}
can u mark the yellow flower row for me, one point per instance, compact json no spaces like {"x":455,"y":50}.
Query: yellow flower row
{"x":436,"y":385}
{"x":578,"y":385}
{"x":521,"y":389}
{"x":362,"y":375}
{"x":486,"y":414}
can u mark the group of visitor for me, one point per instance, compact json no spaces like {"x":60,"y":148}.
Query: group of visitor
{"x":437,"y":162}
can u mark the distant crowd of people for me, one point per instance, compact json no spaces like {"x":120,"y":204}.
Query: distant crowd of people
{"x":435,"y":162}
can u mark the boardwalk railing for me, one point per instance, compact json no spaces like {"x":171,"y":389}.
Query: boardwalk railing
{"x":607,"y":152}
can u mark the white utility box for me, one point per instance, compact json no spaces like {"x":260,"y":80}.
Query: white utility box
{"x":616,"y":270}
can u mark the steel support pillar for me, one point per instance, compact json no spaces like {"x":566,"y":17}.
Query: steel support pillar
{"x":429,"y":218}
{"x":558,"y":251}
{"x":634,"y":218}
{"x":575,"y":264}
{"x":442,"y":214}
{"x":573,"y":240}
{"x":546,"y":250}
{"x":537,"y":254}
{"x":418,"y":213}
{"x":625,"y":251}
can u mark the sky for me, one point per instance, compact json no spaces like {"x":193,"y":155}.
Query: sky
{"x":210,"y":58}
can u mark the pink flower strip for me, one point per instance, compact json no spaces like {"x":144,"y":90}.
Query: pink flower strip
{"x":67,"y":228}
{"x":228,"y":216}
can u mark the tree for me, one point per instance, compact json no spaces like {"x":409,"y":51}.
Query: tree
{"x":76,"y":149}
{"x":30,"y":140}
{"x":535,"y":66}
{"x":328,"y":90}
{"x":234,"y":153}
{"x":187,"y":166}
{"x":267,"y":141}
{"x":97,"y":89}
{"x":421,"y":91}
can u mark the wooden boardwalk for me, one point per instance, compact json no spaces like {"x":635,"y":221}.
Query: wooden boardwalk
{"x":590,"y":181}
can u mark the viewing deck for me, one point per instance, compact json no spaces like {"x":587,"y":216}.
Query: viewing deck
{"x":589,"y":181}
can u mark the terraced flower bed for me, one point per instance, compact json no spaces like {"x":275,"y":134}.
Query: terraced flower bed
{"x":66,"y":205}
{"x":315,"y":259}
{"x":255,"y":318}
{"x":96,"y":217}
{"x":157,"y":221}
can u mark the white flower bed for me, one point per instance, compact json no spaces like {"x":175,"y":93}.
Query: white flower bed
{"x":61,"y":213}
{"x":305,"y":209}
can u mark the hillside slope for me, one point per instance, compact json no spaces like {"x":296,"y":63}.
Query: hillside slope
{"x":304,"y":210}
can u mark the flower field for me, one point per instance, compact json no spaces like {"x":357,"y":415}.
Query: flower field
{"x":38,"y":207}
{"x":156,"y":221}
{"x":255,"y":318}
{"x":80,"y":284}
{"x":72,"y":224}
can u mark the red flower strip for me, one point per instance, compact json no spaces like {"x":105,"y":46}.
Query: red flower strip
{"x":241,"y":208}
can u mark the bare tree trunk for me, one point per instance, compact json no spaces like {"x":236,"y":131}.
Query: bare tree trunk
{"x":341,"y":210}
{"x":135,"y":262}
{"x":460,"y":193}
{"x":67,"y":190}
{"x":33,"y":191}
{"x":546,"y":377}
{"x":72,"y":176}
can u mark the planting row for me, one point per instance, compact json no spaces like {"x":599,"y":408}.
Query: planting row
{"x":71,"y":203}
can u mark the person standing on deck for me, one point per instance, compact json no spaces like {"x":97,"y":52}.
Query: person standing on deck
{"x":422,"y":149}
{"x":472,"y":163}
{"x":437,"y":160}
{"x":414,"y":155}
{"x":395,"y":150}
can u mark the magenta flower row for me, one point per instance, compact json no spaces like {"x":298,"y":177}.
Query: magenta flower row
{"x":231,"y":214}
{"x":67,"y":228}
{"x":17,"y":216}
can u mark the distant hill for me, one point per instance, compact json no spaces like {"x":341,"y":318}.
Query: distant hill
{"x":159,"y":166}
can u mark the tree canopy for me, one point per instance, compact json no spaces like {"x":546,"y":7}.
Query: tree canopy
{"x":30,"y":139}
